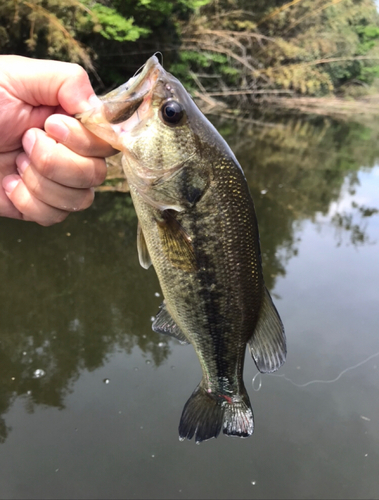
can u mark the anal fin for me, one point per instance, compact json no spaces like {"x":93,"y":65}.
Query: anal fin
{"x":164,"y":323}
{"x":268,"y":343}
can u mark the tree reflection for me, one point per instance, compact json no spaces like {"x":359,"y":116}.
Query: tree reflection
{"x":71,"y":295}
{"x":295,"y":169}
{"x":74,"y":293}
{"x":354,"y":225}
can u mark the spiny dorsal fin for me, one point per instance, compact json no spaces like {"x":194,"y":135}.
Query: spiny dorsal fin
{"x":268,"y":343}
{"x":143,"y":252}
{"x":176,"y":242}
{"x":164,"y":323}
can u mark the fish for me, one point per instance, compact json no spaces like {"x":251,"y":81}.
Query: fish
{"x":197,"y":226}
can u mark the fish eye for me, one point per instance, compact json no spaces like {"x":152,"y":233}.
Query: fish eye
{"x":172,"y":112}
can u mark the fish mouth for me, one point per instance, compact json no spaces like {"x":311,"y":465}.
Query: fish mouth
{"x":120,"y":104}
{"x":121,"y":110}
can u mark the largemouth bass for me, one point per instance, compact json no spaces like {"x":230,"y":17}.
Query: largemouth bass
{"x":197,"y":226}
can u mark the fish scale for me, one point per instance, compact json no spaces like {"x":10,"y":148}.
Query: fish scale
{"x":221,"y":297}
{"x":198,"y":228}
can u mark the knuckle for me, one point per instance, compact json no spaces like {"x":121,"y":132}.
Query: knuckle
{"x":45,"y":164}
{"x":81,"y":177}
{"x":78,"y":74}
{"x":87,"y":148}
{"x":78,"y":71}
{"x":88,"y":198}
{"x":44,"y":222}
{"x":31,"y":209}
{"x":24,"y":206}
{"x":32,"y":181}
{"x":90,"y":173}
{"x":32,"y":185}
{"x":60,"y":217}
{"x":51,"y":218}
{"x":99,"y":173}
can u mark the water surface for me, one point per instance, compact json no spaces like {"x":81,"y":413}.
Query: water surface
{"x":90,"y":397}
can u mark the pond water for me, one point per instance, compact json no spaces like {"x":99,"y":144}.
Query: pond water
{"x":90,"y":397}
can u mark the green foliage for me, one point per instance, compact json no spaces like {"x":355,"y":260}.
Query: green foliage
{"x":116,"y":27}
{"x":158,"y":13}
{"x":216,"y":64}
{"x":92,"y":32}
{"x":341,"y":30}
{"x":58,"y":28}
{"x":368,"y":36}
{"x":309,"y":47}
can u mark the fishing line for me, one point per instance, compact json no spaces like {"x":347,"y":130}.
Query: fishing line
{"x":143,"y":65}
{"x":259,"y":381}
{"x":160,"y":53}
{"x":138,"y":70}
{"x":258,"y":376}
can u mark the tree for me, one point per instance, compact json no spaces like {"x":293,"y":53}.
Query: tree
{"x":306,"y":46}
{"x":96,"y":34}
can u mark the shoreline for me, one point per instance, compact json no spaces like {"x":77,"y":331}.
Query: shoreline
{"x":335,"y":107}
{"x":363,"y":110}
{"x":340,"y":108}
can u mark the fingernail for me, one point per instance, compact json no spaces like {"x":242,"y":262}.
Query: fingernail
{"x":22,"y":162}
{"x":9,"y":183}
{"x":28,"y":141}
{"x":57,"y":129}
{"x":92,"y":102}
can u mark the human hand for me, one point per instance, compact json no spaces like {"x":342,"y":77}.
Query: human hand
{"x":49,"y":163}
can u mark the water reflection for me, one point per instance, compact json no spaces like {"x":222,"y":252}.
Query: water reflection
{"x":74,"y":294}
{"x":70,"y":296}
{"x":295,"y":170}
{"x":354,"y":224}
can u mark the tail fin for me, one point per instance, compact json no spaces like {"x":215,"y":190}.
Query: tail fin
{"x":205,"y":414}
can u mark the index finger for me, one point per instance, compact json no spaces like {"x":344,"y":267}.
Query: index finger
{"x":70,"y":132}
{"x":48,"y":82}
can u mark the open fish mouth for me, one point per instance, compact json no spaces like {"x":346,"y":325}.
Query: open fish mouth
{"x":122,"y":108}
{"x":120,"y":104}
{"x":132,"y":86}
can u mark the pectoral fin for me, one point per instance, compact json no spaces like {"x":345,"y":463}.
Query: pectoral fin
{"x":143,"y":252}
{"x":268,"y":343}
{"x":164,"y":323}
{"x":176,"y":243}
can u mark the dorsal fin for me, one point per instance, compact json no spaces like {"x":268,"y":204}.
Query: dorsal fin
{"x":164,"y":323}
{"x":268,"y":343}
